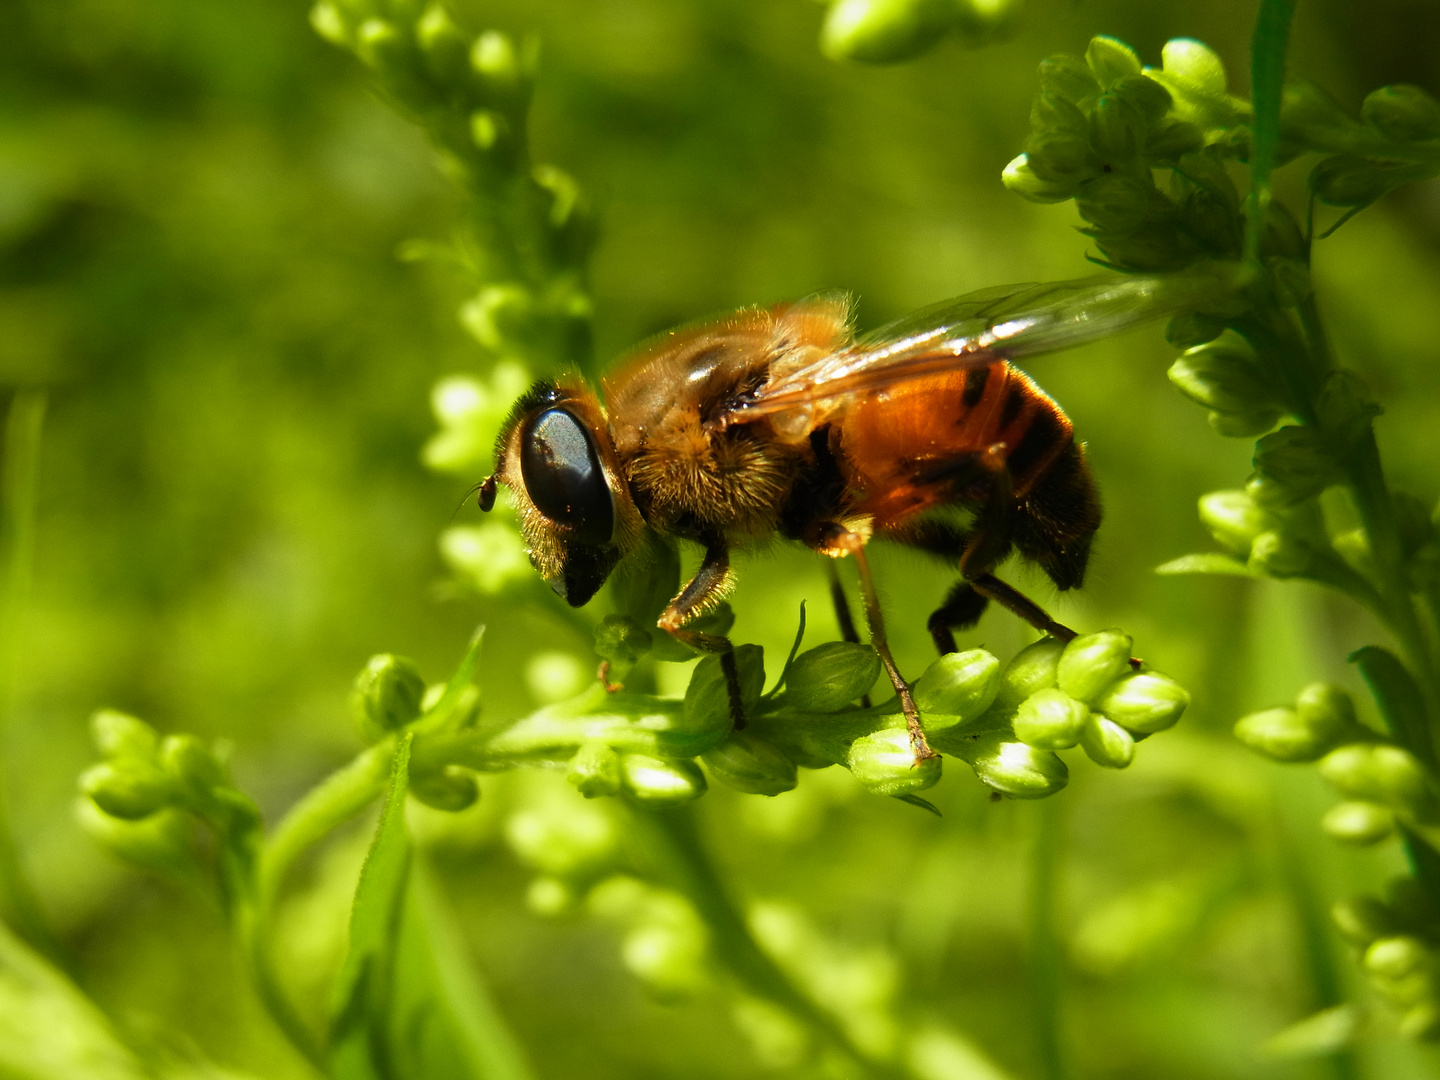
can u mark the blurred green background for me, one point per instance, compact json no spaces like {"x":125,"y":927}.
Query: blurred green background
{"x":200,"y":211}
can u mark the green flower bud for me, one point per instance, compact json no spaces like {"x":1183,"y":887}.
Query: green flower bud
{"x":1277,"y":554}
{"x":1283,"y":235}
{"x":567,"y":841}
{"x":1157,"y":246}
{"x":1327,"y":710}
{"x":1052,"y":113}
{"x":487,"y":129}
{"x":1113,"y":202}
{"x":1379,"y":771}
{"x":1091,"y":662}
{"x":381,"y":46}
{"x":491,"y":557}
{"x":643,"y":586}
{"x":1224,"y":377}
{"x":1362,"y":919}
{"x":1194,"y":66}
{"x":1290,"y":278}
{"x":443,"y":45}
{"x":1397,"y":957}
{"x":388,"y":694}
{"x":451,"y":788}
{"x":1344,"y":406}
{"x":1298,"y":461}
{"x":1243,"y":425}
{"x":193,"y":765}
{"x":750,"y":764}
{"x":884,"y":761}
{"x":1421,"y":1020}
{"x":1051,"y":719}
{"x":1010,"y":766}
{"x":1060,"y":157}
{"x":707,"y":698}
{"x":548,"y":897}
{"x":495,"y":59}
{"x":1020,"y":178}
{"x":1348,"y":180}
{"x":1107,"y":743}
{"x":1403,"y":113}
{"x":162,"y":841}
{"x":1311,"y":117}
{"x":1033,"y":668}
{"x":962,"y":685}
{"x":1070,"y":78}
{"x":1110,"y":60}
{"x":326,"y":20}
{"x":118,"y":735}
{"x":1171,"y":141}
{"x":129,"y":788}
{"x":1144,"y":701}
{"x":595,"y":770}
{"x":661,"y":781}
{"x":622,"y":641}
{"x":1358,"y":822}
{"x":883,"y":31}
{"x":1148,"y":97}
{"x":1284,"y":735}
{"x":1117,"y":130}
{"x":1234,"y":520}
{"x":499,"y":315}
{"x":668,"y":955}
{"x":1190,"y":329}
{"x":831,"y":676}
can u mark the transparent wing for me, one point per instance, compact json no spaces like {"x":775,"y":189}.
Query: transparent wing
{"x":1009,"y":322}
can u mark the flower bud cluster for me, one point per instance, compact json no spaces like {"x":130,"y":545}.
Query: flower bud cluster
{"x":1100,"y":126}
{"x":141,"y":799}
{"x":1395,"y":141}
{"x":1224,"y":376}
{"x":890,"y":31}
{"x":1395,"y":940}
{"x":390,"y":695}
{"x":1382,"y":783}
{"x":1086,"y":693}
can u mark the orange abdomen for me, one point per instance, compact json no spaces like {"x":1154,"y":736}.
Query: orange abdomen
{"x":911,"y":446}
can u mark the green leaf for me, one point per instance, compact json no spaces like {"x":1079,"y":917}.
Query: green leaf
{"x":1205,"y":562}
{"x":51,"y":1031}
{"x":443,"y":1022}
{"x":437,"y":715}
{"x":1267,"y":83}
{"x":359,"y":1039}
{"x":1399,"y":699}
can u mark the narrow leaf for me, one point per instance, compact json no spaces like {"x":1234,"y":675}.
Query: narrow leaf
{"x":1400,"y":701}
{"x":440,"y":712}
{"x":1206,"y":562}
{"x":1267,"y":81}
{"x":360,"y":1008}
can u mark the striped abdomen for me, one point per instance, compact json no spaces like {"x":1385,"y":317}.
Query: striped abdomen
{"x":918,"y":444}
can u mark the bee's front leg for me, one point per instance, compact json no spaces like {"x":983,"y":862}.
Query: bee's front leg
{"x":710,"y":583}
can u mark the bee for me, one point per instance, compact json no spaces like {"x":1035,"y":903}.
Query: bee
{"x":778,"y":421}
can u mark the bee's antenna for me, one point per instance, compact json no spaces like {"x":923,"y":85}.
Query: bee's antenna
{"x":484,"y":493}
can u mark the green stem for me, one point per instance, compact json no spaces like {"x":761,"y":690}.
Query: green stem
{"x":681,"y":859}
{"x":23,"y":429}
{"x":342,"y":795}
{"x":1046,"y":963}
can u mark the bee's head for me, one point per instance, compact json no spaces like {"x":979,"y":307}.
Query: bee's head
{"x":579,"y":520}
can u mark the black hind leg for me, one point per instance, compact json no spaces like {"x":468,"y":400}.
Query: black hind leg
{"x":960,"y":611}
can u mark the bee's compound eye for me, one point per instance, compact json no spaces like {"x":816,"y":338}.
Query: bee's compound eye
{"x":563,"y":476}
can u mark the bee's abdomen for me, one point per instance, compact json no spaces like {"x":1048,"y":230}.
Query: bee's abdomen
{"x":915,"y":445}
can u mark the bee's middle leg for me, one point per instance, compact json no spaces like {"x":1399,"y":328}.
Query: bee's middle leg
{"x":709,"y":584}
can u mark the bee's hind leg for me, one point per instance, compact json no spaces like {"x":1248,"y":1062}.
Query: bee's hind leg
{"x":961,"y":610}
{"x":988,"y":587}
{"x":842,"y":614}
{"x":709,"y":584}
